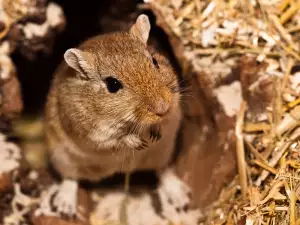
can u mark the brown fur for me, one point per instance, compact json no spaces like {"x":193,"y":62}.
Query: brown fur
{"x":77,"y":108}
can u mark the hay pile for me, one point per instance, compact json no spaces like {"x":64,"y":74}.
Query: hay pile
{"x":261,"y":39}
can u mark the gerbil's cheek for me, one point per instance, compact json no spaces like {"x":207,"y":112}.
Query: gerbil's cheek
{"x":176,"y":99}
{"x":147,"y":53}
{"x":175,"y":104}
{"x":98,"y":86}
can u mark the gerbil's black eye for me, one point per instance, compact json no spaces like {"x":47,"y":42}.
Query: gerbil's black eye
{"x":113,"y":85}
{"x":155,"y":62}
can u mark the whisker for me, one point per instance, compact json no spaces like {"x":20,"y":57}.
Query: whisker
{"x":179,"y":87}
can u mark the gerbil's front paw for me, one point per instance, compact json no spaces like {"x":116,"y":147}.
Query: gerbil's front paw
{"x":65,"y":200}
{"x":143,"y":145}
{"x":174,"y":190}
{"x":155,"y":133}
{"x":135,"y":142}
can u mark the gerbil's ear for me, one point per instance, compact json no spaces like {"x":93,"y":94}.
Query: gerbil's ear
{"x":79,"y":61}
{"x":141,"y":28}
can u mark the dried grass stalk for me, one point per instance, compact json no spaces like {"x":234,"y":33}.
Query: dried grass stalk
{"x":240,"y":149}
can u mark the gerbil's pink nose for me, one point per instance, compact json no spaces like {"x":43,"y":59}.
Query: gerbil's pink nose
{"x":160,"y":107}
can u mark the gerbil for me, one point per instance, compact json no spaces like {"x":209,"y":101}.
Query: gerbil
{"x":111,"y":95}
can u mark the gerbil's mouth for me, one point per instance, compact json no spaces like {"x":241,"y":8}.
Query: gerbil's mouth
{"x":153,"y":118}
{"x":149,"y":119}
{"x":153,"y":122}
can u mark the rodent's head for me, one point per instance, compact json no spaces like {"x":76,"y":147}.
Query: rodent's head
{"x":118,"y":77}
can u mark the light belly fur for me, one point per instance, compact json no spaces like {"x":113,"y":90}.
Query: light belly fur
{"x":96,"y":165}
